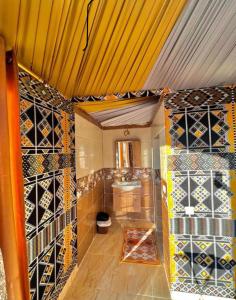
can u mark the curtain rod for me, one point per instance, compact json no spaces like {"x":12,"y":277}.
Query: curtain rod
{"x":30,"y":72}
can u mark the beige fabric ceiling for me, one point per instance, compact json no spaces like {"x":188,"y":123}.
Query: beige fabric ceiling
{"x":140,"y":114}
{"x":201,"y":49}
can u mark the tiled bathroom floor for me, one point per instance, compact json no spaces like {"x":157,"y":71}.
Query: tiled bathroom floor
{"x":101,"y":276}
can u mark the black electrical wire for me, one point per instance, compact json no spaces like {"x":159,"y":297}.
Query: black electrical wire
{"x":87,"y":24}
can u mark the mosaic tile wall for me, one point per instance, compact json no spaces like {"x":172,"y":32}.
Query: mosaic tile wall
{"x":87,"y":183}
{"x":48,"y":151}
{"x":201,"y":138}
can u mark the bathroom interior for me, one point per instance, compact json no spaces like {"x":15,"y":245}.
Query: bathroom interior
{"x":118,"y":139}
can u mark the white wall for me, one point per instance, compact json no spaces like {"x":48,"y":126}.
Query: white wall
{"x":88,"y":145}
{"x":158,"y":137}
{"x":110,"y":136}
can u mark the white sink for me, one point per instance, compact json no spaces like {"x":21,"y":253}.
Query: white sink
{"x":127,"y":185}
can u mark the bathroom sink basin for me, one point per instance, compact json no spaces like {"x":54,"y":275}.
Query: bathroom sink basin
{"x":127,"y":185}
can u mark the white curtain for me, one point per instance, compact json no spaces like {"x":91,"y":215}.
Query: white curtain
{"x":201,"y":49}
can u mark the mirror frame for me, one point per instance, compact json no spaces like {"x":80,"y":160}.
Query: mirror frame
{"x":126,"y":140}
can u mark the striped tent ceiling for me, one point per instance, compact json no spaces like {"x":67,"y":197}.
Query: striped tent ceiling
{"x":201,"y":49}
{"x":132,"y":45}
{"x":125,"y":39}
{"x":139,"y":113}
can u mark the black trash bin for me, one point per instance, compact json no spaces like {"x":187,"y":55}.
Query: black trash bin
{"x":103,"y":222}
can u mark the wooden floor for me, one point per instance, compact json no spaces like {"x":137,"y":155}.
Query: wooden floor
{"x":101,"y":276}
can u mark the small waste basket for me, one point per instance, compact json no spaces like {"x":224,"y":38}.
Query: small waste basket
{"x":103,"y":222}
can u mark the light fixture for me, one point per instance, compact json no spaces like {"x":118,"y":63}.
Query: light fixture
{"x":126,"y":132}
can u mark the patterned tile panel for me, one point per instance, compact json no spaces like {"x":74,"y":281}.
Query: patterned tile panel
{"x":57,"y":132}
{"x":46,"y":273}
{"x":129,"y":173}
{"x":46,"y":135}
{"x":43,"y":163}
{"x":194,"y":288}
{"x":204,"y":263}
{"x":201,"y":137}
{"x":31,"y":220}
{"x":40,"y":241}
{"x":49,"y":186}
{"x":28,"y":136}
{"x":208,"y":191}
{"x":33,"y":278}
{"x":199,"y":129}
{"x":203,"y":226}
{"x":119,"y":96}
{"x":33,"y":89}
{"x":202,"y":161}
{"x":201,"y":97}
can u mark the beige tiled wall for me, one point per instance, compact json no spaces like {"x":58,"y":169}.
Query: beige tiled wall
{"x":95,"y":147}
{"x":88,"y":145}
{"x":89,"y":159}
{"x":89,"y":204}
{"x":110,"y":136}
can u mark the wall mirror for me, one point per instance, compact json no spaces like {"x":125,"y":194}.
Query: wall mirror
{"x":127,"y":153}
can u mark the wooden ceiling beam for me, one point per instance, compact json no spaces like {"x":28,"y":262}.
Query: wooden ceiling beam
{"x":86,"y":116}
{"x":126,"y":126}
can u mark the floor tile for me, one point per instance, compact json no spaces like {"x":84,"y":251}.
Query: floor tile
{"x":85,"y":293}
{"x":102,"y":275}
